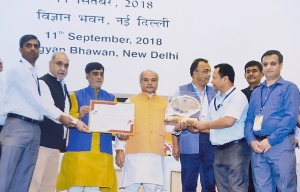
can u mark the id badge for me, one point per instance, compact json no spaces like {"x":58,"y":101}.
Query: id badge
{"x":258,"y":122}
{"x":202,"y":118}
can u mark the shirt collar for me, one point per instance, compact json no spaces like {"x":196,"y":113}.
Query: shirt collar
{"x":280,"y":80}
{"x":144,"y":94}
{"x":63,"y":81}
{"x":227,"y":92}
{"x":92,"y":89}
{"x":196,"y":89}
{"x":254,"y":87}
{"x":26,"y":63}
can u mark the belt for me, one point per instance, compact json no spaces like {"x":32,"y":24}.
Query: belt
{"x":23,"y":118}
{"x":229,"y":143}
{"x":262,"y":137}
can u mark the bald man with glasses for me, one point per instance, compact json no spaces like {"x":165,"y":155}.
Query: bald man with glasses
{"x":194,"y":149}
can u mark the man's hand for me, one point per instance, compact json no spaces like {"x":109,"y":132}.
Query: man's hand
{"x":265,"y":145}
{"x":173,"y":123}
{"x":83,"y":111}
{"x":181,"y":125}
{"x":123,"y":137}
{"x":67,"y":121}
{"x":120,"y":158}
{"x":193,"y":129}
{"x":176,"y":151}
{"x":201,"y":125}
{"x":81,"y":126}
{"x":298,"y":122}
{"x":256,"y":146}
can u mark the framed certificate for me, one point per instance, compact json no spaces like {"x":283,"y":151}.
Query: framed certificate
{"x":111,"y":117}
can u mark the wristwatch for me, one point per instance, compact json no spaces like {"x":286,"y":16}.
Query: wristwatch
{"x":176,"y":132}
{"x":58,"y":118}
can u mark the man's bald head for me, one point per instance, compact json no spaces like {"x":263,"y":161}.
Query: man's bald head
{"x":148,"y":71}
{"x":59,"y":65}
{"x":149,"y":81}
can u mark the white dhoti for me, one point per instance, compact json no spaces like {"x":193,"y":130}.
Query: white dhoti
{"x":143,"y":168}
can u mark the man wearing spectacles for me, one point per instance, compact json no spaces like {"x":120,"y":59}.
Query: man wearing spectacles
{"x":195,"y":149}
{"x":270,"y":128}
{"x":53,"y":89}
{"x":226,"y":120}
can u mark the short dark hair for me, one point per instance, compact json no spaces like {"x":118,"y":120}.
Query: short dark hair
{"x":93,"y":66}
{"x":273,"y":52}
{"x":253,"y":63}
{"x":226,"y":70}
{"x":195,"y":64}
{"x":26,"y":38}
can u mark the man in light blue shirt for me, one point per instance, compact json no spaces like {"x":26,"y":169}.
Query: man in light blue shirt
{"x":270,"y":128}
{"x":226,"y":120}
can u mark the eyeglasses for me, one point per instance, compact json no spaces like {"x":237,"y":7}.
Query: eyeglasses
{"x":272,"y":64}
{"x":206,"y":71}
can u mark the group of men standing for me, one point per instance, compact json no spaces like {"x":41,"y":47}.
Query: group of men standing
{"x":268,"y":127}
{"x":219,"y":146}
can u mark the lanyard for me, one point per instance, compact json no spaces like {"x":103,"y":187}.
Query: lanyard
{"x":263,"y":103}
{"x":221,"y":104}
{"x":37,"y":82}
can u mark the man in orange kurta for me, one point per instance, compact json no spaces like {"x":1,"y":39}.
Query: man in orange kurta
{"x":144,"y":159}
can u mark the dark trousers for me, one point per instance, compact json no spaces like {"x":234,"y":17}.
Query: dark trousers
{"x":191,"y":166}
{"x":251,"y":184}
{"x":20,"y":142}
{"x":231,"y":167}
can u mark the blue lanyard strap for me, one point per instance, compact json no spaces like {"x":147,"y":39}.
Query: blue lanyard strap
{"x":264,"y":101}
{"x":221,"y":104}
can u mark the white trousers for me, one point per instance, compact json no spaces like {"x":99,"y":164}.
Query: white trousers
{"x":147,"y":187}
{"x":46,"y":170}
{"x":84,"y":189}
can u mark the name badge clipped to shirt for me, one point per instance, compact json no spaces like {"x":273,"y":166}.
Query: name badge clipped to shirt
{"x":258,"y":122}
{"x":202,"y":118}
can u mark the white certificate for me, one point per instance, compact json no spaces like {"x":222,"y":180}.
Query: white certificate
{"x":111,"y":117}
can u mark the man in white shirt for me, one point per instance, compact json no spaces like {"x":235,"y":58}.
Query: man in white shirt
{"x":54,"y":90}
{"x":226,"y":121}
{"x":20,"y":137}
{"x":144,"y":159}
{"x":2,"y":94}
